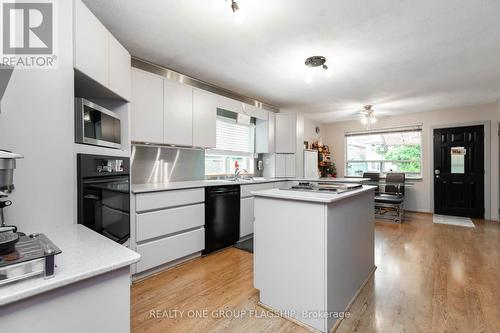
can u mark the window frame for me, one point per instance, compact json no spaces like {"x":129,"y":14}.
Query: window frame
{"x":234,"y":153}
{"x":409,"y":175}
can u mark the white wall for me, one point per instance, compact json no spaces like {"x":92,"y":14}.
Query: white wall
{"x":310,"y":130}
{"x":37,"y":121}
{"x":419,"y":197}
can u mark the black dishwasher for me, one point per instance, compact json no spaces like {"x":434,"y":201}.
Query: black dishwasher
{"x":222,"y":217}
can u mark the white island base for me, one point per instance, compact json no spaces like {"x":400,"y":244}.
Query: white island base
{"x":313,"y":252}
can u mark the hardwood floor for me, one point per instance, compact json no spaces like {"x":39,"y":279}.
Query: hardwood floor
{"x":430,"y":278}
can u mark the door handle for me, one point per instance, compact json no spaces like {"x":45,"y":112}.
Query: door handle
{"x":91,"y":197}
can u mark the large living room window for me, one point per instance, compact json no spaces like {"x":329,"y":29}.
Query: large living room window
{"x":396,"y":150}
{"x":235,"y":142}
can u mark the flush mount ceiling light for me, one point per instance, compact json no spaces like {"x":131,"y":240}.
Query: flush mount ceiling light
{"x":314,"y":62}
{"x":368,"y":116}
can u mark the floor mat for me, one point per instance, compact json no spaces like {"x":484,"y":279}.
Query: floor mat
{"x":453,"y":220}
{"x":246,"y":245}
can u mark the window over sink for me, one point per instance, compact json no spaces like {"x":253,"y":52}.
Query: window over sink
{"x":235,"y":142}
{"x":396,"y":150}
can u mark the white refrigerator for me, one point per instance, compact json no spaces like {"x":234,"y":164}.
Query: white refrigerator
{"x":311,"y":164}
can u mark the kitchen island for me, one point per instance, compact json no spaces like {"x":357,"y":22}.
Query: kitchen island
{"x":313,"y":252}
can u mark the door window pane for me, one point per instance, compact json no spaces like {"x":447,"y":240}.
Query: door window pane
{"x":458,"y":159}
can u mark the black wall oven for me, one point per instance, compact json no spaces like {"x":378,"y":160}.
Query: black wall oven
{"x":104,"y":195}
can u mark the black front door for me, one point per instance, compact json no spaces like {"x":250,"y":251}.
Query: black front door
{"x":459,"y":171}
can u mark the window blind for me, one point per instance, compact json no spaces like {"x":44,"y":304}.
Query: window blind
{"x":234,"y":137}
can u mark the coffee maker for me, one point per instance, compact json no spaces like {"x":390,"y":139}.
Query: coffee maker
{"x":8,"y":233}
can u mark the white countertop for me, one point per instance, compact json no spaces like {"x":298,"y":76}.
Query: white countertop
{"x":309,"y":196}
{"x":178,"y":185}
{"x":85,"y":254}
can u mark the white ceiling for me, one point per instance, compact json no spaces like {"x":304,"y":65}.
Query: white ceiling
{"x":400,"y":55}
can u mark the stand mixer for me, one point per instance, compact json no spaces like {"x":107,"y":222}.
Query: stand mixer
{"x":8,"y":233}
{"x":21,"y":256}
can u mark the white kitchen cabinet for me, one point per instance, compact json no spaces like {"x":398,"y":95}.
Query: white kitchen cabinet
{"x":166,"y":199}
{"x":147,"y":107}
{"x":168,"y":226}
{"x":169,"y":221}
{"x":204,"y":119}
{"x":90,"y":45}
{"x":98,"y":54}
{"x":119,"y":68}
{"x":280,"y":165}
{"x":246,"y":216}
{"x":164,"y":250}
{"x":290,"y":165}
{"x":246,"y":206}
{"x":229,"y":104}
{"x":285,"y":165}
{"x":178,"y":114}
{"x":246,"y":190}
{"x":255,"y":112}
{"x":264,"y":134}
{"x":286,"y":133}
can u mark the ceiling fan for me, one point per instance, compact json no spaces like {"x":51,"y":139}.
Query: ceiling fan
{"x":368,"y":117}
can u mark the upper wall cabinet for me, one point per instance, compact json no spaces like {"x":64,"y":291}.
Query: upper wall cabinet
{"x":229,"y":104}
{"x":255,"y":112}
{"x":178,"y":114}
{"x":91,"y":44}
{"x":286,"y":133}
{"x":119,"y":68}
{"x":98,"y":55}
{"x":264,"y":134}
{"x":166,"y":112}
{"x":147,"y":107}
{"x":204,"y":119}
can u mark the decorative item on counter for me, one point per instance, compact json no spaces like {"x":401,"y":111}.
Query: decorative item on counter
{"x":306,"y":145}
{"x":325,"y":165}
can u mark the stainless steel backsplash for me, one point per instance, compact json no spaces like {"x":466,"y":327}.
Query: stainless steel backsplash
{"x":166,"y":164}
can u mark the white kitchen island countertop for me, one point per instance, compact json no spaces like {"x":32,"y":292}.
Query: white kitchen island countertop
{"x":319,"y":197}
{"x":85,"y":254}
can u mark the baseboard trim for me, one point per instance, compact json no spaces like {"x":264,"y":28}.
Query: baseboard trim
{"x":160,"y":269}
{"x":348,"y":307}
{"x":337,"y":323}
{"x":293,"y":320}
{"x":423,"y":211}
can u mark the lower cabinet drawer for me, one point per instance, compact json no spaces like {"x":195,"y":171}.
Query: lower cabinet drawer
{"x":246,"y":216}
{"x":164,"y":250}
{"x":169,"y":221}
{"x":166,"y":199}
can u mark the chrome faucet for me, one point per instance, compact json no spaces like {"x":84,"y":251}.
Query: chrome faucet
{"x":237,"y":173}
